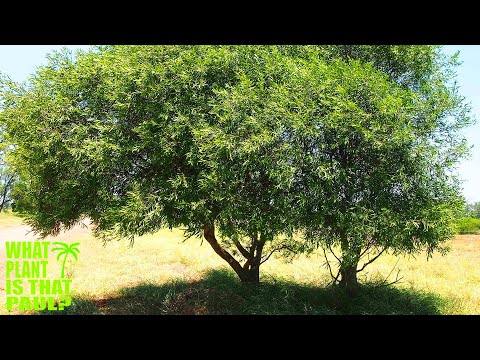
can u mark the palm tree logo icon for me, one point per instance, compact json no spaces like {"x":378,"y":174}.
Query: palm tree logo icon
{"x":66,"y":250}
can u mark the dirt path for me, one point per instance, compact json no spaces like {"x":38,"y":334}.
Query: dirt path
{"x":13,"y":233}
{"x":23,"y":232}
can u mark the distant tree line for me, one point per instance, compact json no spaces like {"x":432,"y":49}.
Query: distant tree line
{"x":472,"y":210}
{"x":7,"y":177}
{"x":468,"y":221}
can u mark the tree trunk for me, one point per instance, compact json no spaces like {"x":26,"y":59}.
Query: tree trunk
{"x":209,"y":234}
{"x":8,"y":184}
{"x":250,"y":273}
{"x":348,"y":278}
{"x":348,"y":268}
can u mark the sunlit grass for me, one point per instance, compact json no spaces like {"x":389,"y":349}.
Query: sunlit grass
{"x":7,"y":218}
{"x":162,"y":274}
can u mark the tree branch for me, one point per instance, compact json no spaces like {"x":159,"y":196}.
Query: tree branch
{"x":209,"y":234}
{"x":242,"y":250}
{"x":336,"y":277}
{"x":259,"y":248}
{"x":369,"y":245}
{"x":6,"y":189}
{"x":275,"y":250}
{"x":333,"y":253}
{"x":372,"y":260}
{"x":397,"y":279}
{"x":268,"y":256}
{"x":254,"y":243}
{"x":328,"y":263}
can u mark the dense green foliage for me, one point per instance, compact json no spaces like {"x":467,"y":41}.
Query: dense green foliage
{"x":348,"y":146}
{"x":468,"y":218}
{"x":379,"y":175}
{"x":138,"y":138}
{"x":468,"y":225}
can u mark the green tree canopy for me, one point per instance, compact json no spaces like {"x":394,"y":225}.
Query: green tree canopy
{"x":245,"y":145}
{"x":381,"y":174}
{"x":142,"y":137}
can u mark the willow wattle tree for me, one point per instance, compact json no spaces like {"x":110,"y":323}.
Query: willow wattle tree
{"x":138,"y":138}
{"x":380,"y":174}
{"x":345,"y":147}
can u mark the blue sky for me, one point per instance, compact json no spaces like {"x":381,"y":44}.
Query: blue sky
{"x":19,"y":61}
{"x":468,"y":77}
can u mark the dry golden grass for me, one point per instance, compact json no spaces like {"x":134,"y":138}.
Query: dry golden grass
{"x":8,"y":219}
{"x":103,"y":273}
{"x":455,"y":276}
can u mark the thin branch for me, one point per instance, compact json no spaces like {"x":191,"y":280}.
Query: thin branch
{"x":333,"y":253}
{"x":336,"y":277}
{"x":369,"y":245}
{"x":390,"y":273}
{"x":339,"y":262}
{"x":275,"y":250}
{"x":397,"y":279}
{"x":372,"y":260}
{"x":268,"y":256}
{"x":328,"y":263}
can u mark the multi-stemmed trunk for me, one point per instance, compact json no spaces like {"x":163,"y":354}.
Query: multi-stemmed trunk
{"x":251,"y":275}
{"x":348,"y":277}
{"x":249,"y":272}
{"x":349,"y":265}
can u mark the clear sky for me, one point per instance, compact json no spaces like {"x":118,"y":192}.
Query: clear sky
{"x":19,"y":61}
{"x":468,"y":77}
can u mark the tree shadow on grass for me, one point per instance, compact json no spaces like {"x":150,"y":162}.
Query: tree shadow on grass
{"x":220,"y":292}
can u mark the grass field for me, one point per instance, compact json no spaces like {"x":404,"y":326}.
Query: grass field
{"x":161,"y":274}
{"x":7,"y":219}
